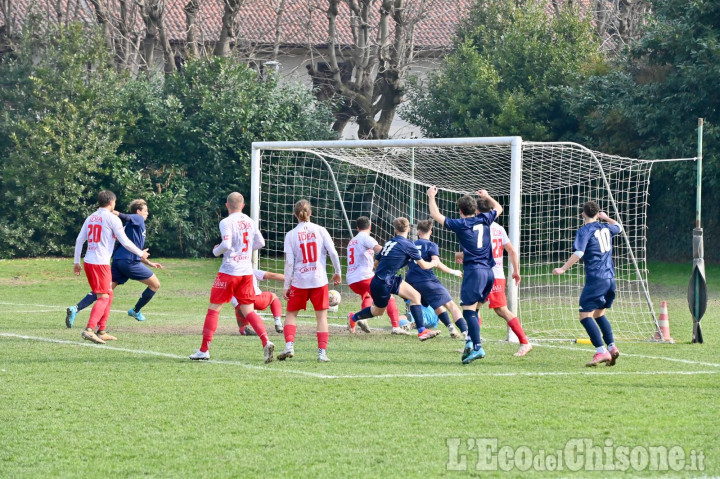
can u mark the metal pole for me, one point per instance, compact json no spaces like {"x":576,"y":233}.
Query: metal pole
{"x":514,"y":225}
{"x":255,"y":193}
{"x":413,"y":233}
{"x":698,"y":199}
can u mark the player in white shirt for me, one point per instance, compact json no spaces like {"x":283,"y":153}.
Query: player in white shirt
{"x":361,"y":251}
{"x":306,"y":249}
{"x":99,"y":231}
{"x":263,"y":299}
{"x":497,"y":300}
{"x":240,"y":238}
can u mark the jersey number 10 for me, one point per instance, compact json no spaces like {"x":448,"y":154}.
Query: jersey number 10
{"x":309,"y":252}
{"x":603,"y":237}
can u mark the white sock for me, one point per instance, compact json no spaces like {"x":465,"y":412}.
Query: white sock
{"x":278,"y":320}
{"x":289,"y":345}
{"x":611,"y":345}
{"x":600,"y":349}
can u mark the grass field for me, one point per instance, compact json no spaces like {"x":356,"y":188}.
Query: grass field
{"x":384,"y":407}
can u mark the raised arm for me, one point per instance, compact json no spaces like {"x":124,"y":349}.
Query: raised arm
{"x":603,"y":216}
{"x":426,"y":264}
{"x":495,"y":205}
{"x":434,"y":210}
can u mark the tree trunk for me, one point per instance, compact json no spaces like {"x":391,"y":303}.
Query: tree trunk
{"x":191,"y":11}
{"x":228,"y":31}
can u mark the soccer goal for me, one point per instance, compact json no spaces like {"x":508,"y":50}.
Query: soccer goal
{"x":542,"y":187}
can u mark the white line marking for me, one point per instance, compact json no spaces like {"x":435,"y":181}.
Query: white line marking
{"x":658,"y":358}
{"x":594,"y":373}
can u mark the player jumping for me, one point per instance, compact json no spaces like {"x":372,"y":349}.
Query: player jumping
{"x":361,"y":251}
{"x":306,"y":249}
{"x":100,"y":230}
{"x":394,"y":255}
{"x":432,"y":291}
{"x":593,"y":244}
{"x":473,"y":234}
{"x":240,"y":237}
{"x":126,"y":265}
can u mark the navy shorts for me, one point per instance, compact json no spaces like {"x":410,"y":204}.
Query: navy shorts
{"x":597,"y":294}
{"x":381,"y":291}
{"x":123,"y":270}
{"x":433,"y":293}
{"x":476,"y":285}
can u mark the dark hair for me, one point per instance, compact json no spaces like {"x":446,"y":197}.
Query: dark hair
{"x":467,"y":205}
{"x":362,"y":223}
{"x":136,"y":206}
{"x":424,"y":226}
{"x":591,"y":209}
{"x":484,"y":205}
{"x":105,"y":197}
{"x":401,"y":225}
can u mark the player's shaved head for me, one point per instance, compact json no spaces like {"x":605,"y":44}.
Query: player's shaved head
{"x":362,"y":223}
{"x":484,"y":205}
{"x":302,"y":210}
{"x":235,"y":201}
{"x":401,"y":225}
{"x":467,"y":205}
{"x":424,"y":226}
{"x":591,"y":209}
{"x":105,"y":197}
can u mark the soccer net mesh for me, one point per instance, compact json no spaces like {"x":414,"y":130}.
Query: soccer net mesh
{"x":387,"y":182}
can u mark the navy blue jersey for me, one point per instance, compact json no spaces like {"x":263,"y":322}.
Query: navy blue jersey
{"x":396,"y":253}
{"x":594,"y":242}
{"x":427,"y":250}
{"x":473,"y":234}
{"x":135,"y":230}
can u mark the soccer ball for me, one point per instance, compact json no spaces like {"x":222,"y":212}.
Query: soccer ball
{"x":333,"y":298}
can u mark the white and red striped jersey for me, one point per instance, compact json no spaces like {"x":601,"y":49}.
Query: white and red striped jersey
{"x":499,"y":239}
{"x":306,"y":249}
{"x":240,"y":237}
{"x":100,"y":230}
{"x":360,"y":257}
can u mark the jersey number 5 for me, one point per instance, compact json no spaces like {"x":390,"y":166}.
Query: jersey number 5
{"x":309,"y":252}
{"x":603,"y":237}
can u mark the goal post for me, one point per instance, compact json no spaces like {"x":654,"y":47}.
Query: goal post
{"x":541,"y":185}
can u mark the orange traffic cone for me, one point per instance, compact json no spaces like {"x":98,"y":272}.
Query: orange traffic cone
{"x":664,"y":323}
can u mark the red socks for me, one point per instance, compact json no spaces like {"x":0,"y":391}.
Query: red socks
{"x":258,"y":326}
{"x":106,"y":314}
{"x":289,"y":331}
{"x":392,"y":311}
{"x":518,"y":330}
{"x":98,"y":311}
{"x":276,"y":308}
{"x":211,"y":322}
{"x":322,"y":340}
{"x":366,"y":301}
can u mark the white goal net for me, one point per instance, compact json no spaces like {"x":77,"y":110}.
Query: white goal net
{"x":541,"y":185}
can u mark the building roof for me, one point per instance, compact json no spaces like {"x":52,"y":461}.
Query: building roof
{"x":303,"y":21}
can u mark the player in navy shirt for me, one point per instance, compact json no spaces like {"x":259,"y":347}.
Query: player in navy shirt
{"x":432,"y":292}
{"x":395,"y":255}
{"x":126,"y":265}
{"x":593,"y":244}
{"x":473,"y":233}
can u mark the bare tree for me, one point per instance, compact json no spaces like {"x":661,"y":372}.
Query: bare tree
{"x":228,"y":32}
{"x":191,"y":11}
{"x":153,"y":14}
{"x":368,"y":76}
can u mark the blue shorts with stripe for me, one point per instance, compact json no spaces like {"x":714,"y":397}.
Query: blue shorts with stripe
{"x":432,"y":293}
{"x":597,"y":294}
{"x":381,"y":291}
{"x":123,"y":270}
{"x":476,"y":285}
